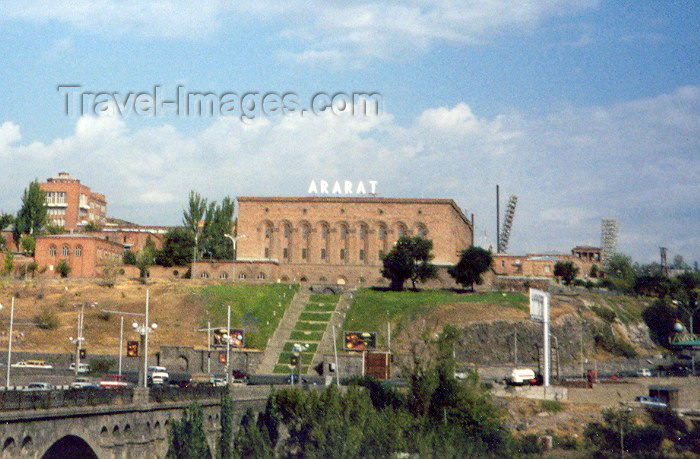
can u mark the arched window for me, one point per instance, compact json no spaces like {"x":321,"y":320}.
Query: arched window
{"x":286,"y":241}
{"x":241,"y":276}
{"x":268,"y":230}
{"x":204,"y":275}
{"x":383,"y":243}
{"x":223,"y":275}
{"x":401,"y":230}
{"x":363,"y":231}
{"x":344,"y":243}
{"x":261,"y":276}
{"x":306,"y":241}
{"x":421,"y":230}
{"x":65,"y":251}
{"x":52,"y":251}
{"x":79,"y":251}
{"x":325,"y":242}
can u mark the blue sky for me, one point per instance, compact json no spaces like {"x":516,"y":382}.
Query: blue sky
{"x":584,"y":109}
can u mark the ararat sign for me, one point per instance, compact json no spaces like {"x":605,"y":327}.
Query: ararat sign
{"x":342,"y":187}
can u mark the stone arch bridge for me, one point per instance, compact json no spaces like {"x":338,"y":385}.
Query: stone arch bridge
{"x":133,"y":430}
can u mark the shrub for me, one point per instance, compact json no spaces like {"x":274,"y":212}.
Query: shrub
{"x":604,"y":313}
{"x":553,"y":406}
{"x":101,"y":365}
{"x":47,"y":319}
{"x":530,"y":444}
{"x":565,"y":442}
{"x":104,"y":315}
{"x":63,"y":268}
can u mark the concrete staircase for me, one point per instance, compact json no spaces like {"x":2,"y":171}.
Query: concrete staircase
{"x":325,"y":347}
{"x":283,"y":332}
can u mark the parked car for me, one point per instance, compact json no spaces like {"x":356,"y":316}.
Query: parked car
{"x":644,"y":373}
{"x":83,"y":368}
{"x":217,"y":380}
{"x":522,"y":376}
{"x":38,"y":386}
{"x":32,"y":364}
{"x":158,"y":374}
{"x":652,"y":402}
{"x":83,"y":383}
{"x":113,"y":381}
{"x":295,"y":380}
{"x":239,"y":376}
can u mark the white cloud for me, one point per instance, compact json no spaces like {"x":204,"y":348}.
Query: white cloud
{"x":318,"y":31}
{"x":635,"y":161}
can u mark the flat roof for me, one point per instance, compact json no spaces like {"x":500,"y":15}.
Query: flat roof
{"x":79,"y":236}
{"x":359,"y":200}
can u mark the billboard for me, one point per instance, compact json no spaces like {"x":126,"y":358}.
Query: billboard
{"x":222,"y":357}
{"x":218,"y":337}
{"x":132,"y":348}
{"x":539,"y":304}
{"x":360,"y":341}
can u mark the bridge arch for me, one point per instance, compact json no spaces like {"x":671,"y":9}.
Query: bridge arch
{"x":70,"y":446}
{"x":8,"y":447}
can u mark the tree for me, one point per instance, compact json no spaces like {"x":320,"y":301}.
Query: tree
{"x":186,"y":436}
{"x":226,"y":436}
{"x":31,"y":217}
{"x":91,"y":227}
{"x":63,"y":268}
{"x":679,"y":263}
{"x":409,"y":259}
{"x":621,"y":272}
{"x":8,"y":264}
{"x":177,"y":248}
{"x":144,"y":260}
{"x":594,"y":271}
{"x":6,"y":220}
{"x":129,"y":258}
{"x":250,"y":441}
{"x":619,"y":431}
{"x":472,"y":263}
{"x":566,"y":271}
{"x":28,"y":245}
{"x":54,"y":229}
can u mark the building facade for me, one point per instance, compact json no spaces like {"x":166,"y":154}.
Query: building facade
{"x":542,"y":265}
{"x":71,"y":204}
{"x":339,"y":240}
{"x":86,"y":255}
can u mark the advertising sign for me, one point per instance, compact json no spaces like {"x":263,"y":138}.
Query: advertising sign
{"x":218,"y":337}
{"x":539,"y":304}
{"x":222,"y":358}
{"x":360,"y":341}
{"x":132,"y":348}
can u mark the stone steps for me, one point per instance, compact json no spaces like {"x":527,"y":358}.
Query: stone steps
{"x":326,"y":346}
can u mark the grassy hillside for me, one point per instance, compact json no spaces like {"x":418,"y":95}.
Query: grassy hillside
{"x":179,"y":308}
{"x":372,"y":309}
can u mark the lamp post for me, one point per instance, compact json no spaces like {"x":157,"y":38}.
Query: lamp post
{"x":233,"y":260}
{"x":194,"y":254}
{"x":121,"y":331}
{"x":144,"y":330}
{"x":78,"y":341}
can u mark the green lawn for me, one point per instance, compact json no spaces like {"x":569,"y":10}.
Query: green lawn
{"x":310,"y":326}
{"x":315,"y":316}
{"x":306,"y":335}
{"x":288,"y":347}
{"x":284,"y":358}
{"x":325,"y":299}
{"x":313,"y":307}
{"x":372,"y":309}
{"x":255,"y":308}
{"x":284,"y":369}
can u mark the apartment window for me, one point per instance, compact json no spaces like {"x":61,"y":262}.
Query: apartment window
{"x":323,"y":254}
{"x":342,"y":254}
{"x":303,"y":254}
{"x":285,"y":253}
{"x":267,"y":252}
{"x":78,"y":251}
{"x":362,"y":255}
{"x":65,"y":251}
{"x":52,"y":251}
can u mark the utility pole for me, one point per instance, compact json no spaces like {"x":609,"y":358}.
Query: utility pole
{"x":9,"y":346}
{"x":228,"y":344}
{"x":121,"y":343}
{"x":515,"y":345}
{"x":79,"y":340}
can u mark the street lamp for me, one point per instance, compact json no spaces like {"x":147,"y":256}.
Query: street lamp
{"x":233,"y":261}
{"x":144,"y":330}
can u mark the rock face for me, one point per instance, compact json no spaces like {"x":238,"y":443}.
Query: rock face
{"x":493,"y":343}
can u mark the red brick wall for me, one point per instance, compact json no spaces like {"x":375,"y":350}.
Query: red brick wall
{"x":88,"y":261}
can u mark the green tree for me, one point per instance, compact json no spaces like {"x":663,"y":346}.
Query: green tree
{"x":226,"y":434}
{"x":129,"y":258}
{"x":685,"y":293}
{"x":63,"y":268}
{"x":194,"y":215}
{"x":620,"y":432}
{"x":28,"y":245}
{"x":409,"y":259}
{"x":594,"y":271}
{"x":250,"y":441}
{"x":186,"y":437}
{"x":31,"y":217}
{"x":177,"y":248}
{"x":91,"y":227}
{"x":473,"y":262}
{"x":8,"y":264}
{"x":621,"y":271}
{"x":219,"y":222}
{"x":144,"y":260}
{"x":566,"y":271}
{"x":54,"y":229}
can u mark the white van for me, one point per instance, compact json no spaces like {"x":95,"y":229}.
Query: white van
{"x":521,"y":376}
{"x":158,"y":375}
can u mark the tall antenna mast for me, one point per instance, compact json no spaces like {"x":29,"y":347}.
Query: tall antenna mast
{"x":608,"y":240}
{"x":498,"y":219}
{"x":507,"y":224}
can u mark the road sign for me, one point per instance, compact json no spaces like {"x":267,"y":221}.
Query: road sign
{"x":539,"y":300}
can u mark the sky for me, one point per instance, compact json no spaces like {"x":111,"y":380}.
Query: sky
{"x":584,"y":109}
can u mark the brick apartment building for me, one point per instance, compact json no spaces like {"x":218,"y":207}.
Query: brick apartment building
{"x":71,"y":204}
{"x":336,"y":239}
{"x":86,"y":254}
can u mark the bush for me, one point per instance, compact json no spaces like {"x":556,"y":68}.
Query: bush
{"x":63,"y":268}
{"x":101,"y":365}
{"x":604,"y":313}
{"x":104,"y":315}
{"x":530,"y":444}
{"x":552,"y":406}
{"x":47,"y":319}
{"x":566,"y":442}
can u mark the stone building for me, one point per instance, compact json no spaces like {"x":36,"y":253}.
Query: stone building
{"x":338,"y":240}
{"x":535,"y":265}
